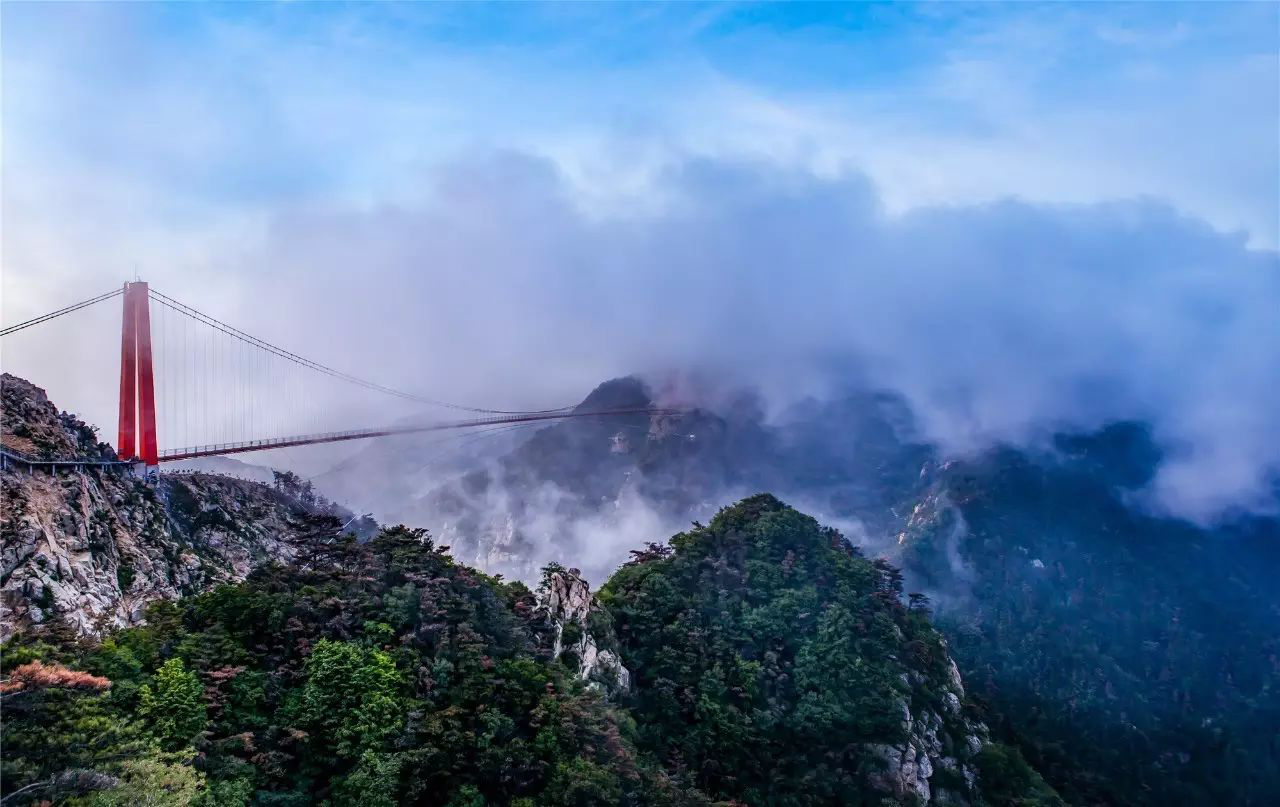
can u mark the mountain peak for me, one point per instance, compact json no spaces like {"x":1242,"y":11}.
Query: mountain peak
{"x":627,"y":392}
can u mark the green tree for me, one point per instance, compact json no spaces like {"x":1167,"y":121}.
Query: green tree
{"x":1008,"y":780}
{"x":350,"y":698}
{"x":173,"y":707}
{"x":373,"y":782}
{"x":770,"y":659}
{"x":155,"y":780}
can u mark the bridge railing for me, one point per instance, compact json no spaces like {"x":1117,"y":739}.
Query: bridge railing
{"x":9,"y":456}
{"x":171,"y":454}
{"x":192,"y":452}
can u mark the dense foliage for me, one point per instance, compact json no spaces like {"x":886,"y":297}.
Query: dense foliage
{"x":772,"y":665}
{"x":369,"y":674}
{"x":1133,"y":658}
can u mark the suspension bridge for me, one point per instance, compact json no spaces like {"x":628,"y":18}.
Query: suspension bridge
{"x":207,"y":388}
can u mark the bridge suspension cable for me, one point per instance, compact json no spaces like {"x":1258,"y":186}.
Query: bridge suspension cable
{"x":206,"y":388}
{"x":60,"y":312}
{"x":262,"y":344}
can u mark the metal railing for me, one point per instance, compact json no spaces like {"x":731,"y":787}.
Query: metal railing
{"x":9,"y":455}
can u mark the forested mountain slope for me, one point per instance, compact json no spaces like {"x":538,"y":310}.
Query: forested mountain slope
{"x":764,"y":662}
{"x":1137,"y":657}
{"x":779,"y":666}
{"x":1135,"y":654}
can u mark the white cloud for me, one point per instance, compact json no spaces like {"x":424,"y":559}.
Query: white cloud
{"x":998,"y":322}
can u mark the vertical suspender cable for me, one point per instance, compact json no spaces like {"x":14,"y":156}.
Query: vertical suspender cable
{"x":250,"y":363}
{"x":188,"y":398}
{"x":224,"y":381}
{"x":253,"y":394}
{"x":204,"y":388}
{"x":233,"y":393}
{"x":157,"y":347}
{"x":245,"y":429}
{"x":189,"y":375}
{"x":248,"y":393}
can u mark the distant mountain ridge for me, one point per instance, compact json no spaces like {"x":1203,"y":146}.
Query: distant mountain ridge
{"x":1155,"y":670}
{"x":506,"y":511}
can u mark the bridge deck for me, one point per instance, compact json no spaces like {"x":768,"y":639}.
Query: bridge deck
{"x":218,"y":449}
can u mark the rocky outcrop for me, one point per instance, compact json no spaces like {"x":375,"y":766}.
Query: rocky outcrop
{"x":94,"y":546}
{"x":583,"y":636}
{"x":911,"y":768}
{"x":934,"y":763}
{"x":30,"y":425}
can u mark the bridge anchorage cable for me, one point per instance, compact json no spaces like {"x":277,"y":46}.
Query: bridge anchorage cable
{"x":55,"y":314}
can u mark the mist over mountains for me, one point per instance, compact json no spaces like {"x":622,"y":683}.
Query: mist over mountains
{"x":515,"y":498}
{"x":596,"y":487}
{"x":499,"y":284}
{"x":1004,"y":322}
{"x":1131,"y":657}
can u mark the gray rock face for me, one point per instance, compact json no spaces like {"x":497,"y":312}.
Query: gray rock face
{"x":566,"y":601}
{"x":907,"y":771}
{"x":94,"y":547}
{"x":910,"y":767}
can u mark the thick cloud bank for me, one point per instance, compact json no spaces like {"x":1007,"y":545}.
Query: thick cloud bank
{"x":997,"y":322}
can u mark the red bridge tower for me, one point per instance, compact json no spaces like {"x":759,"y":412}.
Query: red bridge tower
{"x":137,"y":380}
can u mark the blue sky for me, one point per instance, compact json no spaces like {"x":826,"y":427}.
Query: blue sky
{"x":1075,"y":183}
{"x":257,"y":104}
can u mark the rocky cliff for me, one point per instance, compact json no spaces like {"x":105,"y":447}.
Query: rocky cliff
{"x":582,"y":631}
{"x":93,"y":546}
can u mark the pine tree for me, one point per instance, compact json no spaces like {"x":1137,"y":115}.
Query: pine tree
{"x":174,"y":707}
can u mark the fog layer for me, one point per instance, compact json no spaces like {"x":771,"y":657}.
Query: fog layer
{"x":998,"y":322}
